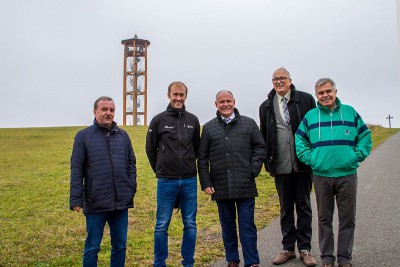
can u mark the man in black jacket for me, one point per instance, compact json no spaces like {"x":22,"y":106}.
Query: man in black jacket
{"x":280,"y":116}
{"x":103,"y":182}
{"x":171,"y":145}
{"x":231,"y":155}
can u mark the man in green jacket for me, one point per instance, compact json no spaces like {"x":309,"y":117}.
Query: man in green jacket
{"x":333,"y":139}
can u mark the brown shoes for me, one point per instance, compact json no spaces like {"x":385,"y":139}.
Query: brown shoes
{"x":284,"y":256}
{"x":306,"y":257}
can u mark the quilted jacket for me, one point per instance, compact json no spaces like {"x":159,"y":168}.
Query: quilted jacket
{"x":231,"y":157}
{"x":103,"y":170}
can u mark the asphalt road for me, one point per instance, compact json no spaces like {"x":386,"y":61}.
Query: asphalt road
{"x":377,"y":236}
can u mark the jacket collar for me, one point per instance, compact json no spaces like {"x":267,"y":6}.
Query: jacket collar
{"x":99,"y":127}
{"x":237,"y":115}
{"x":338,"y":104}
{"x":174,"y":112}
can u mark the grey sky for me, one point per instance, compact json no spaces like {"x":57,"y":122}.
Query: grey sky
{"x":57,"y":57}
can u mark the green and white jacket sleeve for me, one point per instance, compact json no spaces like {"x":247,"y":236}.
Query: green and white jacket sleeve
{"x":363,"y":141}
{"x":303,"y":144}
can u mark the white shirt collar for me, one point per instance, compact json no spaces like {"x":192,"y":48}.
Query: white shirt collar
{"x":281,"y":97}
{"x":230,"y":118}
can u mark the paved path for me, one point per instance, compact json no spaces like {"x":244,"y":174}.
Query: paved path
{"x":377,"y":236}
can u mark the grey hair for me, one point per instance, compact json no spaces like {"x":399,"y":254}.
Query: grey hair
{"x":224,"y":91}
{"x":323,"y":81}
{"x":285,"y":70}
{"x":101,"y":98}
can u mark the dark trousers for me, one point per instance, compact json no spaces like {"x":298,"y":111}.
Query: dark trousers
{"x":294,"y":191}
{"x":344,"y":189}
{"x":247,"y":229}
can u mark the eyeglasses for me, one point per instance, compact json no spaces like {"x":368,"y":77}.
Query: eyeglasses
{"x":282,"y":79}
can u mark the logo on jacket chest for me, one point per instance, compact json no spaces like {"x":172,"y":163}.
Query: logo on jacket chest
{"x":172,"y":127}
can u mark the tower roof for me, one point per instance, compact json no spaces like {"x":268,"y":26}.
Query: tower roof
{"x":136,"y":40}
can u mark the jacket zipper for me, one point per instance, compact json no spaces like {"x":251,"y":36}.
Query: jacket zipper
{"x":331,"y":114}
{"x":179,"y":144}
{"x":112,"y":169}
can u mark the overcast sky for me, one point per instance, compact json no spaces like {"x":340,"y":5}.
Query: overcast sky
{"x":57,"y":57}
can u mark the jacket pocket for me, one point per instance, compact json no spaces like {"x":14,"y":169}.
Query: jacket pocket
{"x":321,"y":162}
{"x":250,"y":171}
{"x":91,"y":191}
{"x":346,"y":159}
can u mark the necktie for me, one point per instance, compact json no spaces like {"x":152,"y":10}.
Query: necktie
{"x":285,"y":110}
{"x":227,"y":120}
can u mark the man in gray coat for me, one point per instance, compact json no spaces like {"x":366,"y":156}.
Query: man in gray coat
{"x":280,"y":116}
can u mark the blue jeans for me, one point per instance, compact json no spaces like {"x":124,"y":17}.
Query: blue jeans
{"x":118,"y":224}
{"x":247,"y":229}
{"x":168,"y":190}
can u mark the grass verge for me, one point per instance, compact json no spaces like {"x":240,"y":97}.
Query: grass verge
{"x":39,"y":230}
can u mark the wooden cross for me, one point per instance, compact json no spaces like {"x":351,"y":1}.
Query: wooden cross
{"x":390,"y":117}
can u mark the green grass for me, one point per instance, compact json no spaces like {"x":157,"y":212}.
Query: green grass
{"x":38,"y":229}
{"x":380,"y":134}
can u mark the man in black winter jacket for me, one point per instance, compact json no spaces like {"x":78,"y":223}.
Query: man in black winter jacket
{"x":171,"y":145}
{"x":280,"y":116}
{"x":103,"y":182}
{"x":231,"y":155}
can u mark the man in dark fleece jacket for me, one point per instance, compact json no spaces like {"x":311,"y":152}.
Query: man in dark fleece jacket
{"x":171,"y":145}
{"x":231,"y":155}
{"x":103,"y":182}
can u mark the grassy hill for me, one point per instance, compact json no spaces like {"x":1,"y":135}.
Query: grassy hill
{"x":38,"y":229}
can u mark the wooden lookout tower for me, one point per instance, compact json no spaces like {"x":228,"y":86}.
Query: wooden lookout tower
{"x":135,"y":81}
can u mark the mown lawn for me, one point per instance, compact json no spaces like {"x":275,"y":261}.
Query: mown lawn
{"x":38,"y":229}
